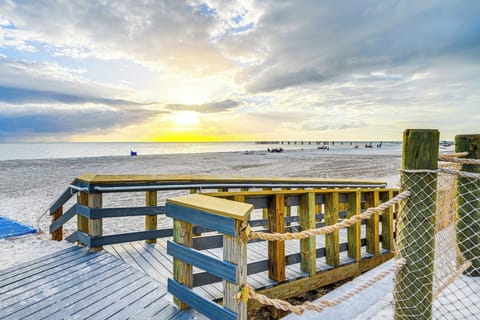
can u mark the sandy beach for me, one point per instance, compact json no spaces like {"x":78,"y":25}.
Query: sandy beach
{"x":28,"y":186}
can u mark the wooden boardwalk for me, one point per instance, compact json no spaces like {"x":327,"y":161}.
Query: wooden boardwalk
{"x":153,"y":260}
{"x":124,"y":281}
{"x":76,"y":284}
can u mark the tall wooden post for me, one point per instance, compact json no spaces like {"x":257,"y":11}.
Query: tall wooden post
{"x":416,"y":229}
{"x":372,"y":227}
{"x":332,"y":240}
{"x":151,"y":220}
{"x":276,"y":249}
{"x":82,"y":222}
{"x":308,"y":253}
{"x":182,"y":272}
{"x":354,"y":232}
{"x":95,"y":226}
{"x":235,"y":251}
{"x":387,"y":222}
{"x":468,"y":204}
{"x":57,"y":234}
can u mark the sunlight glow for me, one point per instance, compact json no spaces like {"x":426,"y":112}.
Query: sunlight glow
{"x":186,"y":119}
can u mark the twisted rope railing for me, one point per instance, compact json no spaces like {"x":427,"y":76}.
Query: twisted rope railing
{"x":454,"y":157}
{"x":321,"y":305}
{"x":367,"y":214}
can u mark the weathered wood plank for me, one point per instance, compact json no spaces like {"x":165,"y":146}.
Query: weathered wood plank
{"x":276,"y":249}
{"x":202,"y":305}
{"x":306,"y":211}
{"x":182,"y":272}
{"x":332,"y":241}
{"x":373,"y":241}
{"x":58,"y":233}
{"x":235,"y":252}
{"x":95,"y":226}
{"x":151,"y":221}
{"x":354,"y":232}
{"x":387,"y":222}
{"x":414,"y":281}
{"x":214,"y":206}
{"x":82,"y":222}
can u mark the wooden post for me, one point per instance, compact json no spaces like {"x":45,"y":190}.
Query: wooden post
{"x":416,"y":228}
{"x":57,"y":234}
{"x":308,"y":254}
{"x":95,"y":226}
{"x":235,"y":251}
{"x":276,"y":249}
{"x":372,"y":227}
{"x":182,"y":272}
{"x":151,"y":221}
{"x":332,"y":240}
{"x":265,"y":210}
{"x":82,"y":222}
{"x":387,"y":222}
{"x":468,"y":204}
{"x":354,"y":232}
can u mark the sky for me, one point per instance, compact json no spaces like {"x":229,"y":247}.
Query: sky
{"x":144,"y":70}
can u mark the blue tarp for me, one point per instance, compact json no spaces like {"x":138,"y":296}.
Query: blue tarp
{"x":10,"y":228}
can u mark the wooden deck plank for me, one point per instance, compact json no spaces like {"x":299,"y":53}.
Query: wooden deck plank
{"x":33,"y":265}
{"x":43,"y":271}
{"x":61,"y":283}
{"x":51,"y":307}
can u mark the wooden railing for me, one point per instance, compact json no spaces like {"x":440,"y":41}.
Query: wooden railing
{"x":89,"y":189}
{"x":289,"y":204}
{"x":226,"y":217}
{"x":208,"y":211}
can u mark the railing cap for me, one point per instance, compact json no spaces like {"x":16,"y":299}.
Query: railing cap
{"x":221,"y":207}
{"x":125,"y":179}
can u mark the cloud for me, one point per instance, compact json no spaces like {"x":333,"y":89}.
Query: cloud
{"x":33,"y":121}
{"x":209,"y":107}
{"x":21,"y":96}
{"x":328,"y":41}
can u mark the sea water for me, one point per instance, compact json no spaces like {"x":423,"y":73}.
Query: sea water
{"x":50,"y":150}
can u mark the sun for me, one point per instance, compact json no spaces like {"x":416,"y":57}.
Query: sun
{"x":186,"y":119}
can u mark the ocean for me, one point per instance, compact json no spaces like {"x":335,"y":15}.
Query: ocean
{"x":55,"y":150}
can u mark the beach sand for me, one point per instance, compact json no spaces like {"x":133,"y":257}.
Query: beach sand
{"x":27,"y":187}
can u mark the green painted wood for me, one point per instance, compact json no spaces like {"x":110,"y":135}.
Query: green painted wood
{"x":414,"y":281}
{"x":468,"y":204}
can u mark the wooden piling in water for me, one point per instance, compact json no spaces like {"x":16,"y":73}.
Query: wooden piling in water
{"x":416,"y":229}
{"x":468,"y":204}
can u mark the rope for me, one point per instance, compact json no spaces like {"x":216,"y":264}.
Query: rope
{"x":449,"y":156}
{"x":452,"y":278}
{"x":329,"y":229}
{"x":322,"y":304}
